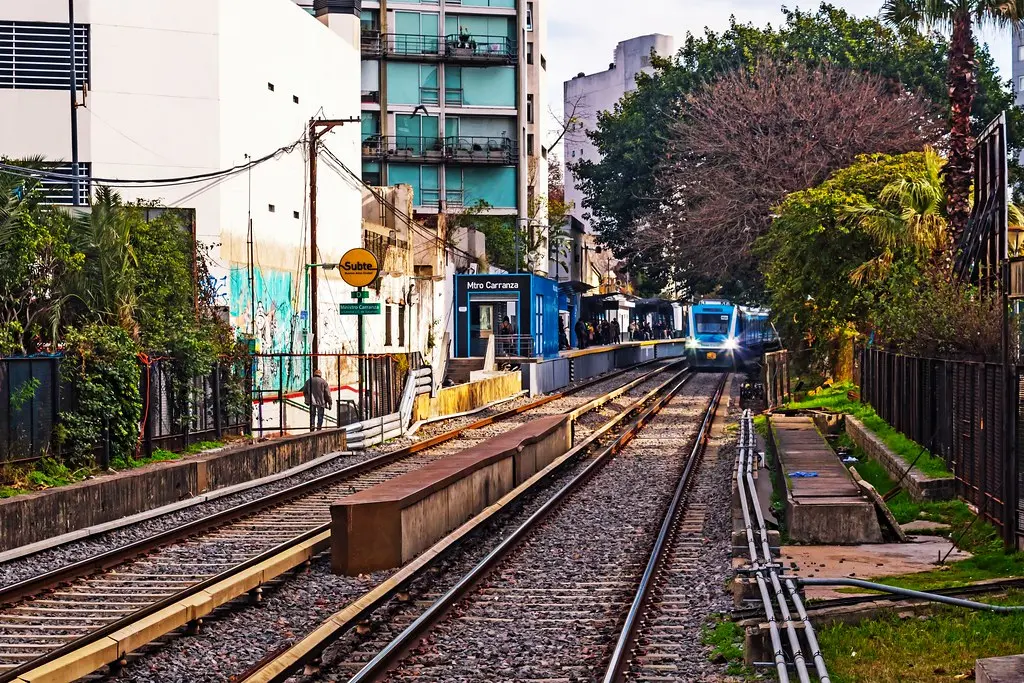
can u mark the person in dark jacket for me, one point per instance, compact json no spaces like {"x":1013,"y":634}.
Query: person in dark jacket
{"x":317,"y":395}
{"x":581,"y":333}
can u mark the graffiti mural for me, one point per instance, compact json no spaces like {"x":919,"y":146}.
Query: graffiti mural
{"x":275,"y":312}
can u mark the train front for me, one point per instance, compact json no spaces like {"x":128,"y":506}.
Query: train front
{"x":712,"y":341}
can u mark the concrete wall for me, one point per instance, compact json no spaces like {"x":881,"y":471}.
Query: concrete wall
{"x":37,"y":516}
{"x":389,"y":524}
{"x":466,"y":397}
{"x":919,"y":486}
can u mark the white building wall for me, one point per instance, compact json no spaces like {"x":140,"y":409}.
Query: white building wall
{"x":180,"y":87}
{"x":587,"y":96}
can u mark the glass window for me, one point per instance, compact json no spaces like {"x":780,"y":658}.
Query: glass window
{"x":529,"y":16}
{"x":529,"y":108}
{"x":529,"y":52}
{"x":1020,"y":53}
{"x":712,"y":323}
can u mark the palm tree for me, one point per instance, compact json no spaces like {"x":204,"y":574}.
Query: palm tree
{"x":909,"y":216}
{"x":959,"y":18}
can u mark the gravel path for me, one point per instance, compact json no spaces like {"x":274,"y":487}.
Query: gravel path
{"x":237,"y":636}
{"x":33,"y":565}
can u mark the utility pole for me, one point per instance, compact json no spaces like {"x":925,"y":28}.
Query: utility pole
{"x":317,"y":129}
{"x":73,"y":88}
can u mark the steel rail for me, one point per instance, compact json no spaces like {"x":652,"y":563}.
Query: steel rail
{"x":627,"y":638}
{"x":387,"y":657}
{"x":23,"y":589}
{"x":275,"y":670}
{"x":13,"y":594}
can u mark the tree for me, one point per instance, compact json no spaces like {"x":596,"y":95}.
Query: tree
{"x":909,"y":216}
{"x":959,"y":17}
{"x":619,"y":190}
{"x":752,"y":137}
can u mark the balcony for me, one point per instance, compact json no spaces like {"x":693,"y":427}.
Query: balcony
{"x":455,"y":48}
{"x":370,"y":96}
{"x":499,"y":151}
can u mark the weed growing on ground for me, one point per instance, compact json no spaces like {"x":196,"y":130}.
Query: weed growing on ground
{"x":938,"y":648}
{"x":725,"y":638}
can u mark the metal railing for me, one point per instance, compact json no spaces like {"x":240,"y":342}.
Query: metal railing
{"x":455,"y":149}
{"x":513,"y":346}
{"x":30,"y":402}
{"x":453,"y":47}
{"x":959,"y":411}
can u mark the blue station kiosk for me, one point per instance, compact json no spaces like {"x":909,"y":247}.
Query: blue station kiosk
{"x":483,"y":302}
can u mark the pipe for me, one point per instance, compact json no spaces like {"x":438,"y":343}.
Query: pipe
{"x":780,"y":659}
{"x":931,"y":597}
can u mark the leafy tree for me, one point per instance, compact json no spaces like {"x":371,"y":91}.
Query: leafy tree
{"x":621,"y":191}
{"x":36,"y":257}
{"x":959,"y":17}
{"x":752,"y":137}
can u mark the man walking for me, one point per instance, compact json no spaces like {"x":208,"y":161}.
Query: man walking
{"x":317,"y":394}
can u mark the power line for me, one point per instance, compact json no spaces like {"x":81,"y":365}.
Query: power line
{"x":412,"y":222}
{"x":154,"y":182}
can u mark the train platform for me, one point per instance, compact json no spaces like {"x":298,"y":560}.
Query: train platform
{"x":823,"y":503}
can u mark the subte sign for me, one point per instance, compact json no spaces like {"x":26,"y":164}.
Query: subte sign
{"x":358,"y":267}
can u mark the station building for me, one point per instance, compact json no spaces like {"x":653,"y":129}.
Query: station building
{"x":528,"y":303}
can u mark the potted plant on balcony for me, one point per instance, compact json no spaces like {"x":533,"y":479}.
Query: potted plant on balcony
{"x":463,"y":45}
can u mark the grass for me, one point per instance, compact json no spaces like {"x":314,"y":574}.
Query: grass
{"x":725,"y":638}
{"x":49,"y":473}
{"x":940,"y":648}
{"x":835,"y":398}
{"x":973,"y":535}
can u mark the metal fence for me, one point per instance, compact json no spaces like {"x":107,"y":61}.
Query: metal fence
{"x":363,"y":387}
{"x":30,"y":399}
{"x":776,"y":378}
{"x":962,"y":413}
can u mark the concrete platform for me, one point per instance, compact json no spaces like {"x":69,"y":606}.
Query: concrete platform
{"x":868,"y":561}
{"x":827,"y":508}
{"x":1000,"y":670}
{"x":387,"y":525}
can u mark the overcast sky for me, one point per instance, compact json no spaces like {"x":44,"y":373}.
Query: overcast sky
{"x":582,"y":34}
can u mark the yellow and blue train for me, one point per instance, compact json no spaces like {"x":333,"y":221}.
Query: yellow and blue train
{"x":723,"y":335}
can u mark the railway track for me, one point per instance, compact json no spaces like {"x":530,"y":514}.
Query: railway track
{"x":546,"y":602}
{"x":79,"y":617}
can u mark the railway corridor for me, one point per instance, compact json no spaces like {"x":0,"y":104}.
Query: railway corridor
{"x":552,"y":609}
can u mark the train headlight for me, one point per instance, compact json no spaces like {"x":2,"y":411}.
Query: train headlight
{"x":692,"y":343}
{"x":731,"y":344}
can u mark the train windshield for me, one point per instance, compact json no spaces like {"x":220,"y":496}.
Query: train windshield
{"x":712,"y":323}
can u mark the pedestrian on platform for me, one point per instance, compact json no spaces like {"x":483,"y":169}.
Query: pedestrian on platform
{"x":616,"y":332}
{"x":581,"y":334}
{"x":317,"y":395}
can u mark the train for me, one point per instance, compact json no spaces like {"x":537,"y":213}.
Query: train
{"x":723,"y":335}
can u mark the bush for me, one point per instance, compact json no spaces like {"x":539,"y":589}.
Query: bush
{"x":101,"y":368}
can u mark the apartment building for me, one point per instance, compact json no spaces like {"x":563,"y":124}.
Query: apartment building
{"x":445,"y":106}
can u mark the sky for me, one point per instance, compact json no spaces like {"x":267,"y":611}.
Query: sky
{"x":582,"y":34}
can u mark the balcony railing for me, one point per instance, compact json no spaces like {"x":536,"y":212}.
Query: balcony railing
{"x":454,"y":149}
{"x":454,"y":48}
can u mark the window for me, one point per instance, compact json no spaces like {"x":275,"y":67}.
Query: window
{"x":712,"y":323}
{"x":295,"y":99}
{"x":529,"y":108}
{"x":60,"y":191}
{"x":270,"y":87}
{"x":1020,"y":85}
{"x":401,"y":325}
{"x":387,"y":325}
{"x":529,"y":145}
{"x":529,"y":16}
{"x":295,"y":214}
{"x":1020,"y":53}
{"x":34,"y":55}
{"x":539,"y":325}
{"x":529,"y":52}
{"x":271,"y":208}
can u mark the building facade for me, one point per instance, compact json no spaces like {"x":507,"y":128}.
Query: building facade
{"x":1017,"y":41}
{"x":444,"y":101}
{"x":586,"y":96}
{"x":178,"y":88}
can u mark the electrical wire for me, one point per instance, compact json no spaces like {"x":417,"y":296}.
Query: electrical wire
{"x":22,"y":171}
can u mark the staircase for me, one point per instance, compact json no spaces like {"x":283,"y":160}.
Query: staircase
{"x":459,"y":369}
